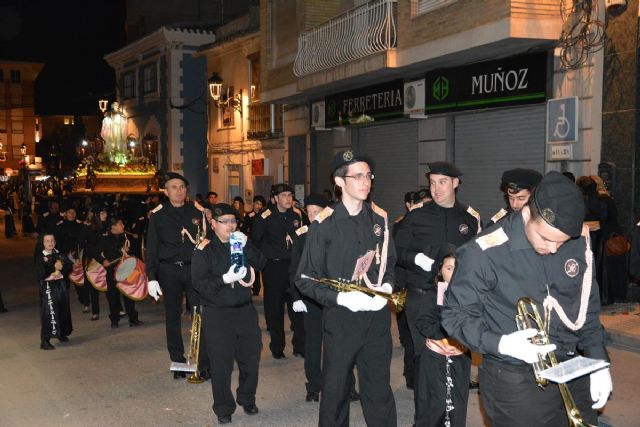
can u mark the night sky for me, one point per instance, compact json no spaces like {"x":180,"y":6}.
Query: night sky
{"x":70,"y":37}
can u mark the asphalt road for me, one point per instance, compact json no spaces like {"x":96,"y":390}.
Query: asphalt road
{"x":105,"y":377}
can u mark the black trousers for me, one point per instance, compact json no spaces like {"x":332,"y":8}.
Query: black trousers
{"x":276,"y":283}
{"x":238,"y":339}
{"x":433,"y":389}
{"x":362,"y":339}
{"x":113,"y":296}
{"x":93,"y":294}
{"x":2,"y":307}
{"x":83,"y":294}
{"x":175,"y":281}
{"x":415,"y":300}
{"x":511,"y":397}
{"x":407,"y":344}
{"x":313,"y":346}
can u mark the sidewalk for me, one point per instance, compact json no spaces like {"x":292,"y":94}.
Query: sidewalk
{"x":622,"y":325}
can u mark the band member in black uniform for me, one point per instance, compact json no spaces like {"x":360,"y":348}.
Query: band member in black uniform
{"x":273,"y":232}
{"x":229,"y":319}
{"x":425,"y":231}
{"x":68,"y":233}
{"x":517,"y":185}
{"x":541,"y":252}
{"x":259,"y":204}
{"x":94,"y":230}
{"x":113,"y":247}
{"x":52,"y":268}
{"x":48,"y":220}
{"x":352,"y":241}
{"x":173,"y":231}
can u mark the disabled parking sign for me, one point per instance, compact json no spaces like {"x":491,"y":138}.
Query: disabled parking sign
{"x":562,"y":120}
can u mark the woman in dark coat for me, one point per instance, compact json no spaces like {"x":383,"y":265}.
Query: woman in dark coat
{"x":52,"y":269}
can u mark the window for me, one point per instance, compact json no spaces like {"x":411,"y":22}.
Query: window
{"x":425,"y":6}
{"x":15,"y":76}
{"x":68,"y":120}
{"x":149,"y":79}
{"x":128,"y":85}
{"x":227,"y":113}
{"x":17,"y":117}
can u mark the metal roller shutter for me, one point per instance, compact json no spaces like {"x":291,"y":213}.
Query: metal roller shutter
{"x":394,"y":148}
{"x":488,"y":143}
{"x":322,"y":152}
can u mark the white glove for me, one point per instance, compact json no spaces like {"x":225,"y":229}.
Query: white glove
{"x":518,"y":345}
{"x":230,"y":276}
{"x":299,"y":306}
{"x":423,"y":261}
{"x":377,"y":303}
{"x":355,"y":301}
{"x":385,"y":287}
{"x":240,"y":236}
{"x":601,"y":387}
{"x":153,"y":287}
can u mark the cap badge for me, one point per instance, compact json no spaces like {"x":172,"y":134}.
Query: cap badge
{"x":377,"y":230}
{"x":347,"y":156}
{"x":548,"y":216}
{"x":217,"y":211}
{"x":464,"y":229}
{"x":296,"y":223}
{"x":571,"y":267}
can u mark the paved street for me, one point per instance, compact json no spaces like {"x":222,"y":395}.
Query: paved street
{"x":105,"y":377}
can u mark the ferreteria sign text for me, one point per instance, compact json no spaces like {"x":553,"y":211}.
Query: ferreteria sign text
{"x":516,"y":80}
{"x":365,"y":105}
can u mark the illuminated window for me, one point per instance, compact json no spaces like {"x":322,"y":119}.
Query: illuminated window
{"x":150,"y":79}
{"x":68,"y":120}
{"x":128,"y":85}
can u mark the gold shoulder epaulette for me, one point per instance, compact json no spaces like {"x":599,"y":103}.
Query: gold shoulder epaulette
{"x":476,"y":215}
{"x":46,"y":214}
{"x":495,"y":238}
{"x":298,"y":211}
{"x":324,"y":214}
{"x":266,"y":213}
{"x":416,"y":206}
{"x":498,"y":216}
{"x":300,"y":231}
{"x":157,"y":208}
{"x":377,"y":209}
{"x":202,"y":244}
{"x":198,"y":206}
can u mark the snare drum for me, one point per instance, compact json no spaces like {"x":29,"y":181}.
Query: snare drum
{"x":77,"y":273}
{"x":132,"y":278}
{"x":97,"y":275}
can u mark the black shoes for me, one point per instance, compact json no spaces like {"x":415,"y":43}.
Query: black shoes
{"x":250,"y":409}
{"x":313,"y":396}
{"x":279,"y":356}
{"x":136,"y":322}
{"x":355,"y":396}
{"x":181,"y":374}
{"x":224,"y":419}
{"x":298,"y":354}
{"x":85,"y":309}
{"x":63,"y":339}
{"x":46,"y":345}
{"x":204,"y":374}
{"x":95,"y":317}
{"x":3,"y":310}
{"x":114,"y":325}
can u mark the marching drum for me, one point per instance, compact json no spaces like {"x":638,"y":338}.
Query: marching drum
{"x":77,"y":273}
{"x":97,"y":275}
{"x":132,"y":278}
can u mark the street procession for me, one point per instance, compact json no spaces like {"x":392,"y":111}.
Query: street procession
{"x":277,"y":213}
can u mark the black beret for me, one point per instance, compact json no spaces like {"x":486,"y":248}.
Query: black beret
{"x":172,"y":175}
{"x":113,"y":220}
{"x":560,"y":203}
{"x":443,"y":168}
{"x":348,"y":157}
{"x":260,"y":199}
{"x":220,"y":209}
{"x":281,"y":188}
{"x":421,"y":194}
{"x":238,"y":199}
{"x":520,"y":179}
{"x":316,"y":200}
{"x":409,"y":197}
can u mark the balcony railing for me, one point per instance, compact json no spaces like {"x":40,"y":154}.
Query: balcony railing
{"x":260,"y":121}
{"x":358,"y":33}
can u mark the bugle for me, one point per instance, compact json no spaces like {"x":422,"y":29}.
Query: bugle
{"x":194,"y":346}
{"x":398,"y":299}
{"x":526,"y":313}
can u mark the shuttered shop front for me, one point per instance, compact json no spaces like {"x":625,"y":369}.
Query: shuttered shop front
{"x":488,"y":143}
{"x":394,"y":148}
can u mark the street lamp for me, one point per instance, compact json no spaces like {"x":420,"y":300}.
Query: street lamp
{"x":23,"y":149}
{"x":230,"y":101}
{"x":103,"y":104}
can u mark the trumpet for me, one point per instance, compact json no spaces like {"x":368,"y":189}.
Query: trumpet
{"x":398,"y":299}
{"x":524,"y":319}
{"x":194,"y":346}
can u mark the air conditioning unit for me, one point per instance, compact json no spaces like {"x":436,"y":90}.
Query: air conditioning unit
{"x":317,"y":115}
{"x":615,"y":5}
{"x":414,"y":97}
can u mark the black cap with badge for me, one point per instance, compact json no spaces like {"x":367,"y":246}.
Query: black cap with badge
{"x":520,"y":179}
{"x":281,"y":188}
{"x":172,"y":175}
{"x":348,"y":157}
{"x":221,"y":209}
{"x":560,"y":203}
{"x":316,"y":200}
{"x":421,"y":194}
{"x":443,"y":168}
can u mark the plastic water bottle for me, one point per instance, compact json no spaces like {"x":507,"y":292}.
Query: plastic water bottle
{"x":237,"y":254}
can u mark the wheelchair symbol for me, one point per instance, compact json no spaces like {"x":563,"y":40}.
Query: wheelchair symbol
{"x":563,"y":127}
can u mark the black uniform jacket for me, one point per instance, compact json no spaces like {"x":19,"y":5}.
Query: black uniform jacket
{"x":427,"y":229}
{"x":634,"y":255}
{"x":270,"y":231}
{"x":165,"y":242}
{"x":110,"y":247}
{"x":334,"y":243}
{"x":496,"y":269}
{"x":68,"y":234}
{"x":210,"y":263}
{"x":299,"y":241}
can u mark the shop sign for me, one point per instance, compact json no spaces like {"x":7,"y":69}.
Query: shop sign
{"x":365,"y":105}
{"x":510,"y":81}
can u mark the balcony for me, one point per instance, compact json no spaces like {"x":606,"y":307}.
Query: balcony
{"x":262,"y":125}
{"x":358,"y":33}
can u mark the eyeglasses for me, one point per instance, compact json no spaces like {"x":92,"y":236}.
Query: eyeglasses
{"x":361,"y":177}
{"x":228,"y":221}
